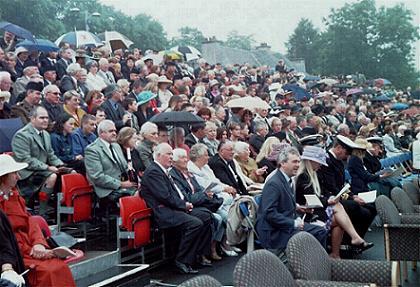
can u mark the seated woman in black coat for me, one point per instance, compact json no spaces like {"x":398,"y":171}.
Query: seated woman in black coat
{"x":127,"y":139}
{"x":332,"y":213}
{"x":62,"y":144}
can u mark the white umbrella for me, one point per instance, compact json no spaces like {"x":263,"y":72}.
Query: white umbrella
{"x":79,"y":39}
{"x":157,"y":58}
{"x":250,"y":103}
{"x":115,"y":40}
{"x":328,"y":82}
{"x":190,"y":53}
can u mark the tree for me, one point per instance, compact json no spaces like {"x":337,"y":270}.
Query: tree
{"x":303,"y":44}
{"x":235,"y":40}
{"x":188,"y":37}
{"x":359,"y":38}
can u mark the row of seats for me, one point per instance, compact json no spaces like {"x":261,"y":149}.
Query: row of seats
{"x":262,"y":268}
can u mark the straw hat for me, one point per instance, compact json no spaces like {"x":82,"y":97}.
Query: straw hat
{"x":315,"y":154}
{"x":164,"y":80}
{"x":363,"y":144}
{"x":9,"y":165}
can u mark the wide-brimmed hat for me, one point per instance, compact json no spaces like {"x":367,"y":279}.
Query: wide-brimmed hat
{"x":145,"y":97}
{"x":315,"y":154}
{"x":346,"y":142}
{"x":213,"y":83}
{"x":5,"y":95}
{"x":164,"y":80}
{"x":310,"y":140}
{"x":20,"y":50}
{"x":374,"y":139}
{"x":363,"y":144}
{"x":9,"y":165}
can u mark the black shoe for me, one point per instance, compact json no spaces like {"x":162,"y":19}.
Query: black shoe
{"x":363,"y":246}
{"x":205,"y":263}
{"x":184,"y":268}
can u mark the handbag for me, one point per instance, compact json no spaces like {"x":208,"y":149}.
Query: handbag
{"x":212,"y":204}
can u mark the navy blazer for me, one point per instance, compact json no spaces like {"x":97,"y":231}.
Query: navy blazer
{"x":115,"y":115}
{"x":222,"y":172}
{"x":360,"y":177}
{"x":331,"y":178}
{"x":276,"y":212}
{"x":198,"y":197}
{"x":160,"y":194}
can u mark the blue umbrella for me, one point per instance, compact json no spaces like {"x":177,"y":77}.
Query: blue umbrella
{"x":299,"y":92}
{"x":381,"y":98}
{"x":17,"y":30}
{"x":311,"y":78}
{"x":39,"y":45}
{"x":399,"y":106}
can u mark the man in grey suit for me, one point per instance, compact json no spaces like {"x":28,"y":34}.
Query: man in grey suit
{"x":105,"y":164}
{"x":32,"y":144}
{"x":277,"y":218}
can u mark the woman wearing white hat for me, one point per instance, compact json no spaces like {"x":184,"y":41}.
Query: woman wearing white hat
{"x":332,"y":213}
{"x":49,"y":270}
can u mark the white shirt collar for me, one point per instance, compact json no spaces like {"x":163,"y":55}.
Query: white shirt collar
{"x":161,"y":166}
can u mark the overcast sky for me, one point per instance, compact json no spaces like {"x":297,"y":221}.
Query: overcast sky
{"x":270,"y":21}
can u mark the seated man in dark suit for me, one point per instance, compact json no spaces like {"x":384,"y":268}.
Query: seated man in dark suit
{"x":257,"y":139}
{"x":105,"y":164}
{"x":171,"y":208}
{"x":114,"y":111}
{"x":277,"y":218}
{"x":196,"y":136}
{"x":224,"y":168}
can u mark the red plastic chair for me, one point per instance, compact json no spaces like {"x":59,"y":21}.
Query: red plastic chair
{"x":136,"y":219}
{"x":77,"y":196}
{"x":42,"y":223}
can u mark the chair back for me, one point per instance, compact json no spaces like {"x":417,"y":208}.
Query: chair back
{"x":413,"y":192}
{"x":387,"y":210}
{"x":402,"y":201}
{"x":261,"y":268}
{"x":136,"y":217}
{"x":77,"y":193}
{"x":308,"y":260}
{"x":201,"y":281}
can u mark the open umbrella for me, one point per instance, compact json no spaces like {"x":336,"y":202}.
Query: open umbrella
{"x":79,"y":39}
{"x":176,"y":118}
{"x":17,"y":30}
{"x":399,"y":106}
{"x":299,"y":93}
{"x":39,"y":45}
{"x":416,"y":95}
{"x":250,"y":103}
{"x":157,"y":58}
{"x":328,"y":82}
{"x":382,"y":82}
{"x":343,"y":86}
{"x":115,"y":40}
{"x":311,"y":78}
{"x":381,"y":98}
{"x":190,"y":53}
{"x":172,"y":55}
{"x":355,"y":92}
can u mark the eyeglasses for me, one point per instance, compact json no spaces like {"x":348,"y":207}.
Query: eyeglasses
{"x":55,"y":93}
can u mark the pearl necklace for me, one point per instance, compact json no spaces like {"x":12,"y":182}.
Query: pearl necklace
{"x":6,"y":195}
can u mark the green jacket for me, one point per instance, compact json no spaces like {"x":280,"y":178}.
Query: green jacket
{"x":27,"y":147}
{"x":101,"y":168}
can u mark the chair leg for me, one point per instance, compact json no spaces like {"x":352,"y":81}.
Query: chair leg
{"x":405,"y":271}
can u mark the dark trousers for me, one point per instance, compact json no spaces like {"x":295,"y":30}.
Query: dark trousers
{"x":195,"y":235}
{"x":360,"y":215}
{"x":320,"y":233}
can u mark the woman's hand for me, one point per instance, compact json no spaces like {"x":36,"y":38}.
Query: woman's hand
{"x":332,"y":201}
{"x":261,"y":171}
{"x":39,"y":252}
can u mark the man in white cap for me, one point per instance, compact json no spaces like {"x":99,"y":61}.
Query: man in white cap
{"x":22,"y":55}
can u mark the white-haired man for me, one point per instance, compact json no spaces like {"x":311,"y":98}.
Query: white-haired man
{"x":171,"y":208}
{"x":104,"y":72}
{"x":105,"y":164}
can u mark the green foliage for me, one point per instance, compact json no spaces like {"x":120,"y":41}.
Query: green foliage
{"x":188,"y":37}
{"x":235,"y":40}
{"x":51,"y":18}
{"x":360,"y":38}
{"x":303,"y":44}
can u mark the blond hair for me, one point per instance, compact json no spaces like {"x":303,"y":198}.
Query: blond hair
{"x":306,"y":167}
{"x":267,"y":148}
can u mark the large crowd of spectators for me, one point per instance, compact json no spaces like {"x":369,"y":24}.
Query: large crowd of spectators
{"x":89,"y":111}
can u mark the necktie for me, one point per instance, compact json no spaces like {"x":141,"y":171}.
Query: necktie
{"x":41,"y":135}
{"x":291,"y":183}
{"x":115,"y":157}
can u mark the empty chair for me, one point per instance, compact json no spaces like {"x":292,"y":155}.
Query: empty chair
{"x":261,"y":268}
{"x":201,"y":281}
{"x":308,"y":260}
{"x":403,"y":202}
{"x":413,"y":192}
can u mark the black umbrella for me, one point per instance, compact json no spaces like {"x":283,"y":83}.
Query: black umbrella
{"x":176,"y":118}
{"x":381,"y":98}
{"x":8,"y":128}
{"x":416,"y":95}
{"x":17,"y":30}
